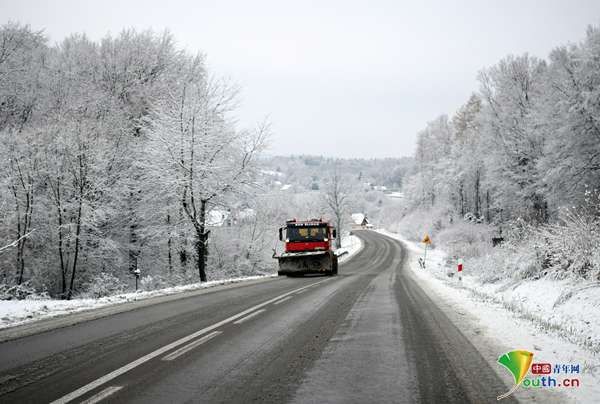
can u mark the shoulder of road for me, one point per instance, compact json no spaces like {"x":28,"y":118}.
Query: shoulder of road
{"x":68,"y":319}
{"x":72,"y":318}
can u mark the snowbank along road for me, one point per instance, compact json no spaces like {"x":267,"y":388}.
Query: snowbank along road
{"x":368,"y":335}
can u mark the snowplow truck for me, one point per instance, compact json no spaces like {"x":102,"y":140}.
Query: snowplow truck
{"x":308,"y":248}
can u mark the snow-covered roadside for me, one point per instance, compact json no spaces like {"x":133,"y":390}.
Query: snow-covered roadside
{"x":553,"y":319}
{"x":350,"y":246}
{"x":17,"y":312}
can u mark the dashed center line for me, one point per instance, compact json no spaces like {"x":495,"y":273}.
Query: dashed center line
{"x":249,"y":316}
{"x":110,"y":390}
{"x":132,"y":365}
{"x":186,"y":348}
{"x":282,"y":300}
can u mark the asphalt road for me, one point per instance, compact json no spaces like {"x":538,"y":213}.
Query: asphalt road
{"x":369,"y":335}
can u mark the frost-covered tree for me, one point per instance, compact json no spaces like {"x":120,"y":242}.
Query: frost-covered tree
{"x":431,"y":158}
{"x":74,"y":140}
{"x":202,"y":157}
{"x":22,"y":62}
{"x":136,"y":68}
{"x":510,"y":91}
{"x":570,"y":120}
{"x":467,"y":157}
{"x":337,"y":194}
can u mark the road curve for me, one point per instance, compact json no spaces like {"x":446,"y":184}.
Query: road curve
{"x":368,"y":335}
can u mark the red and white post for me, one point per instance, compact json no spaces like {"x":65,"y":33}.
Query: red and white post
{"x":460,"y":268}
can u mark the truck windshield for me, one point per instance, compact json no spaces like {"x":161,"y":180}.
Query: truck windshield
{"x":306,"y":233}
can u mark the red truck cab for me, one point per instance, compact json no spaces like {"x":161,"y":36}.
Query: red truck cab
{"x":310,"y":235}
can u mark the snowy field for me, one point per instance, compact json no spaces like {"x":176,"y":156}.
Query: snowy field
{"x":557,"y":320}
{"x":16,"y":312}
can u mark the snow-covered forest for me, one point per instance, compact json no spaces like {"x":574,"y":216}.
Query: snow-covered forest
{"x":520,"y":160}
{"x":113,"y":153}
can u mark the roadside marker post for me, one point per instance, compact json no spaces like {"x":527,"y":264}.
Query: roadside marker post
{"x":136,"y":272}
{"x":426,"y":240}
{"x":460,"y":268}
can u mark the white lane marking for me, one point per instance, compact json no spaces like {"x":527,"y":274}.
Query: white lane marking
{"x":124,"y":369}
{"x":282,"y":300}
{"x":102,"y":395}
{"x":301,"y":291}
{"x":186,"y":348}
{"x":249,"y":316}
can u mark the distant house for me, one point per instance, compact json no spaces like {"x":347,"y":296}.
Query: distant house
{"x":357,"y":218}
{"x":218,"y":218}
{"x":365,"y":223}
{"x":359,"y":221}
{"x":230,"y":217}
{"x":272,"y":173}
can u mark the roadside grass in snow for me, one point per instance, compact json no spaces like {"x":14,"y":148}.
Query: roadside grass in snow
{"x":513,"y":277}
{"x":561,"y":329}
{"x":547,"y":274}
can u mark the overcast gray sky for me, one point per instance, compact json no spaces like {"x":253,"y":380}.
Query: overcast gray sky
{"x":341,"y":78}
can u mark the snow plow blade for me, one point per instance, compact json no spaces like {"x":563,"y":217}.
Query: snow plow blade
{"x":313,"y":262}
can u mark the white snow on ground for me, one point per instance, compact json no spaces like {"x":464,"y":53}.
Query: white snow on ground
{"x":557,"y":320}
{"x":16,"y":312}
{"x":351,"y":244}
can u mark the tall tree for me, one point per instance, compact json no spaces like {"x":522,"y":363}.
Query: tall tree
{"x":202,"y":155}
{"x":570,"y":120}
{"x":510,"y":91}
{"x":22,"y":62}
{"x":467,"y":158}
{"x":337,"y":193}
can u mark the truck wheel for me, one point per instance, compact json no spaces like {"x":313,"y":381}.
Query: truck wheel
{"x":279,"y":273}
